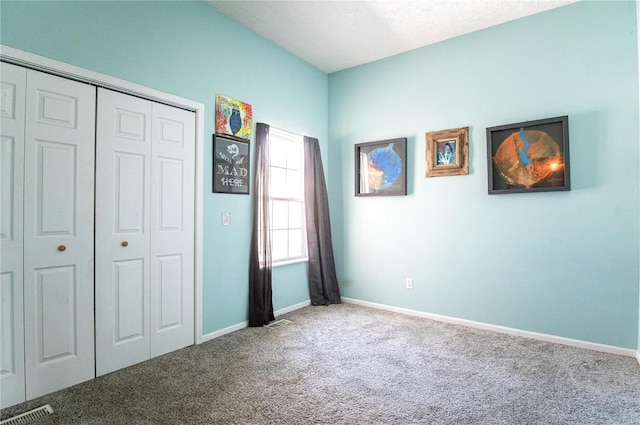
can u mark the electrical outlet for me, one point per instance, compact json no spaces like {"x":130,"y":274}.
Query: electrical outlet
{"x":409,"y":283}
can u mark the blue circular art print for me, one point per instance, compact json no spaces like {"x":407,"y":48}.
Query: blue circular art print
{"x":385,"y":166}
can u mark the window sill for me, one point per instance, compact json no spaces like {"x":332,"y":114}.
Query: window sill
{"x":288,"y":262}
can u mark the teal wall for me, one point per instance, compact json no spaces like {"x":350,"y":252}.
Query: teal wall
{"x":190,"y":50}
{"x":561,"y":263}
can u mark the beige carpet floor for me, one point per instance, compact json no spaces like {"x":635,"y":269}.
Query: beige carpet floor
{"x":348,"y":364}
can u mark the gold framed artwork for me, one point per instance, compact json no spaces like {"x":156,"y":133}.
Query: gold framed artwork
{"x":448,"y":152}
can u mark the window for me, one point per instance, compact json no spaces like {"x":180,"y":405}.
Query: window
{"x":286,"y":197}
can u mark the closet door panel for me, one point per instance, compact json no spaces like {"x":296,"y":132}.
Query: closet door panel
{"x":55,"y":325}
{"x":172,"y":229}
{"x":129,"y":193}
{"x":56,"y":168}
{"x":123,"y":177}
{"x":128,"y":278}
{"x":12,"y":115}
{"x":12,"y":353}
{"x":58,"y":233}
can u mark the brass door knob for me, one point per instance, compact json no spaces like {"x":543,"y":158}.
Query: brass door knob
{"x":125,"y":243}
{"x":62,"y":248}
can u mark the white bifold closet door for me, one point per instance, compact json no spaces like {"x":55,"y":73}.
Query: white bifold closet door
{"x":58,"y":233}
{"x":145,"y":160}
{"x":14,"y":85}
{"x":47,"y":231}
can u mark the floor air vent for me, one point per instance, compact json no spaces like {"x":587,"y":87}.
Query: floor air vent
{"x":30,"y":416}
{"x":278,"y":323}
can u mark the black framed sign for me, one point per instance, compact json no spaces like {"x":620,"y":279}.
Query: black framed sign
{"x":381,"y":168}
{"x":531,"y":156}
{"x":230,"y":165}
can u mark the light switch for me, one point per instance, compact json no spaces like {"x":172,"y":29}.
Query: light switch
{"x":226,"y":218}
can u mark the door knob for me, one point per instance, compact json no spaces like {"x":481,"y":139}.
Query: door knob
{"x":62,"y":248}
{"x":125,"y":243}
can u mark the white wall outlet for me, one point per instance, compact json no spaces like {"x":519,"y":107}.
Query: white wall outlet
{"x":226,"y":218}
{"x":409,"y":283}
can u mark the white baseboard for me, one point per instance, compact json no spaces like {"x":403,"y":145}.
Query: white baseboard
{"x":227,"y":330}
{"x":502,"y":329}
{"x":242,"y":325}
{"x":638,"y":356}
{"x":291,"y":308}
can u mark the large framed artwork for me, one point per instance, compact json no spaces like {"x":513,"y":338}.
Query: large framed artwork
{"x":531,"y":156}
{"x":230,"y":165}
{"x":381,"y":168}
{"x":448,"y":152}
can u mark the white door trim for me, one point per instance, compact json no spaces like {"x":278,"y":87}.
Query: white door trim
{"x":41,"y":63}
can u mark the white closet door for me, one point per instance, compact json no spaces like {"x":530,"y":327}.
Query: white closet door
{"x":12,"y":111}
{"x":172,"y":229}
{"x":58,"y":233}
{"x":145,"y":176}
{"x":123,"y":177}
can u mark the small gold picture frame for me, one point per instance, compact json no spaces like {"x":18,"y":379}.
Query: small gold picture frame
{"x":448,"y":152}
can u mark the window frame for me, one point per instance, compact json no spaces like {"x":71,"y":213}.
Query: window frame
{"x":275,"y":136}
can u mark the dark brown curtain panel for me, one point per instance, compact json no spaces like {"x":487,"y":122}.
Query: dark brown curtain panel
{"x":260,"y":296}
{"x":323,"y":284}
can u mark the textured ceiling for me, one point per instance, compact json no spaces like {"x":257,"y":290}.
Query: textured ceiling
{"x":335,"y":35}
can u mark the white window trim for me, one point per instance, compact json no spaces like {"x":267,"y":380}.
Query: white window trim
{"x":292,"y":137}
